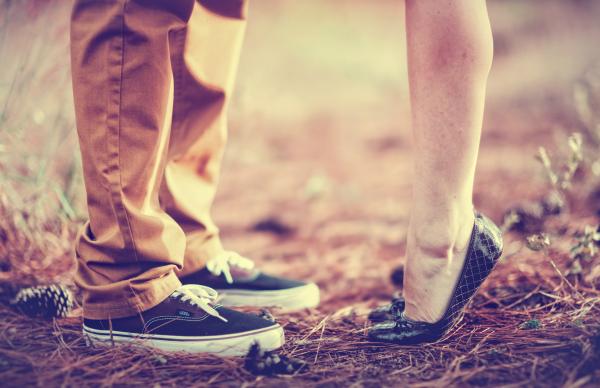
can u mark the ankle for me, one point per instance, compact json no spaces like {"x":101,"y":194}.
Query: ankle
{"x":441,"y":235}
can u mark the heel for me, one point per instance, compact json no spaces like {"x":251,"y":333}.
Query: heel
{"x":485,"y":248}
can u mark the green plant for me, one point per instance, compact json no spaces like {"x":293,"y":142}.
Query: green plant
{"x":538,"y":242}
{"x":586,"y":101}
{"x":531,"y":324}
{"x":561,"y":178}
{"x":585,"y":248}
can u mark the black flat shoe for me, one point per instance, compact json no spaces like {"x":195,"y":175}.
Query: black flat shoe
{"x":388,"y":311}
{"x":485,"y":248}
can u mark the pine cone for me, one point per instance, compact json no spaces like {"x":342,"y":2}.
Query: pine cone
{"x":260,"y":362}
{"x":53,"y":301}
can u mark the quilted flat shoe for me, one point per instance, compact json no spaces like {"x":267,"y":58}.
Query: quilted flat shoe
{"x":485,"y":248}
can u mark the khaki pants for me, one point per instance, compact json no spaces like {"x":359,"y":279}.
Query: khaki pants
{"x":151,"y":82}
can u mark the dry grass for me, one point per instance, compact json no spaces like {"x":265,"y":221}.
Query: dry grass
{"x":536,"y":328}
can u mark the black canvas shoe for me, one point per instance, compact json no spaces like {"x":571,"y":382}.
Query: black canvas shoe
{"x":388,"y":311}
{"x":485,"y":248}
{"x":240,"y":283}
{"x":188,"y":321}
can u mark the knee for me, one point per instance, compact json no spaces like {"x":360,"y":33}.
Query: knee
{"x":469,"y":51}
{"x":474,"y":50}
{"x":457,"y":35}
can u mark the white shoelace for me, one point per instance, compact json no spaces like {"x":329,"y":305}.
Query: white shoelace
{"x":221,"y":263}
{"x":199,"y":296}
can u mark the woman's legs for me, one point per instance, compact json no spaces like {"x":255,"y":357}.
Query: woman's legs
{"x":449,"y":57}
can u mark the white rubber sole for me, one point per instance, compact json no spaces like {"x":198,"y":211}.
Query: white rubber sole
{"x":236,"y":344}
{"x":296,"y":298}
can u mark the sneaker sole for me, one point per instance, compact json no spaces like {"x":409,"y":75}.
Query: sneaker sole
{"x":236,"y":344}
{"x":296,"y":298}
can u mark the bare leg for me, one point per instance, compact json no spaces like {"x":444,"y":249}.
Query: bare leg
{"x":449,"y":57}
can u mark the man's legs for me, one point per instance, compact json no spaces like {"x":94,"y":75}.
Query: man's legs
{"x":449,"y":57}
{"x":125,"y":77}
{"x":204,"y":75}
{"x":123,"y":84}
{"x":204,"y":64}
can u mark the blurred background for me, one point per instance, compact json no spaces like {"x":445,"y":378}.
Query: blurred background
{"x":320,"y":118}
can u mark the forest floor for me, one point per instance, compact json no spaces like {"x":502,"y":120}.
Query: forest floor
{"x":320,"y":149}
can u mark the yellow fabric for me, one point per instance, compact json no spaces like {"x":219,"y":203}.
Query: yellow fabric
{"x":151,"y":81}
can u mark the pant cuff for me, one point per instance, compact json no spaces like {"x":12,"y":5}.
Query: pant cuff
{"x":158,"y":290}
{"x":198,"y":252}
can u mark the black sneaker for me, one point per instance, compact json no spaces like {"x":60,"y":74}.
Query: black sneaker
{"x":188,"y":321}
{"x":240,"y":283}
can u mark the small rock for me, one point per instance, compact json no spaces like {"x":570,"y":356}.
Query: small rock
{"x":266,"y":314}
{"x":273,"y":225}
{"x":538,"y":242}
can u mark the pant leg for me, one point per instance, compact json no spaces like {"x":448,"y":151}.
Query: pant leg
{"x":204,"y":77}
{"x":123,"y":89}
